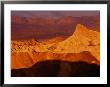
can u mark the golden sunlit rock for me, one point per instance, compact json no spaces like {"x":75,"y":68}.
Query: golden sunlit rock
{"x":83,"y":45}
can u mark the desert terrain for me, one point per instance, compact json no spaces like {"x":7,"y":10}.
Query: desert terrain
{"x":54,"y":52}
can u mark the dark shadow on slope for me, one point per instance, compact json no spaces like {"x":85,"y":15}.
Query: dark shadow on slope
{"x":56,"y":68}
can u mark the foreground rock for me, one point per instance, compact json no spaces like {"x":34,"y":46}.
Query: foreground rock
{"x":58,"y":68}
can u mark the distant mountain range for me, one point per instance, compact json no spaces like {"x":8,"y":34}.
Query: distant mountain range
{"x":25,"y":28}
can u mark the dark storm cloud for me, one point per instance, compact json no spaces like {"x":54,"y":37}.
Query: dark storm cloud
{"x":56,"y":14}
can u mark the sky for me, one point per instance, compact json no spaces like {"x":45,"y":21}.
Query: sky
{"x":56,"y":14}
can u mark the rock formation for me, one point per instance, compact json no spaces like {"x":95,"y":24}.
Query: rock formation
{"x":82,"y":39}
{"x":83,"y":45}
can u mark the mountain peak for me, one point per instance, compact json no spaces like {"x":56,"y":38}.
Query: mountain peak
{"x":81,"y":28}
